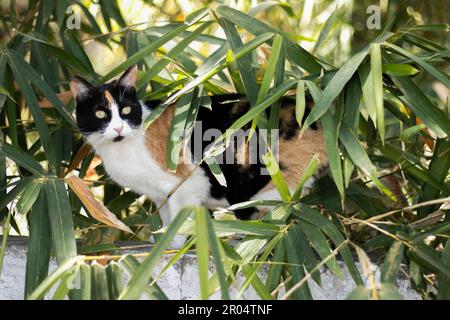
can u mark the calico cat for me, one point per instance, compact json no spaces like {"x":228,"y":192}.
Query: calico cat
{"x":111,"y":118}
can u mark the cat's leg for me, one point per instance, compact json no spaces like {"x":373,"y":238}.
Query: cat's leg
{"x":165,"y":213}
{"x":194,"y":192}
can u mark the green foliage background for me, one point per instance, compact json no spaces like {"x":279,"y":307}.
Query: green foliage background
{"x":381,"y":96}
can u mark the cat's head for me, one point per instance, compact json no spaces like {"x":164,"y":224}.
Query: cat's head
{"x":109,"y":112}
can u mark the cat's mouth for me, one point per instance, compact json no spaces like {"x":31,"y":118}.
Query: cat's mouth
{"x":118,"y":138}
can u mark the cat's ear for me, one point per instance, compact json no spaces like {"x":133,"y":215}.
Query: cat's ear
{"x":128,"y":79}
{"x":80,"y":87}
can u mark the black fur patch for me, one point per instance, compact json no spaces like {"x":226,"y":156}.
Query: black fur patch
{"x":243,"y":182}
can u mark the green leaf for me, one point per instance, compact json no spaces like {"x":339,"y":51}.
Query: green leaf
{"x":427,"y":256}
{"x":170,"y":55}
{"x":29,"y":196}
{"x":300,"y":102}
{"x":442,"y":77}
{"x":391,"y":264}
{"x":434,"y":118}
{"x":218,"y":256}
{"x":176,"y":132}
{"x":234,"y":71}
{"x":230,"y":227}
{"x":244,"y":63}
{"x":275,"y":267}
{"x":360,"y":158}
{"x":333,"y":88}
{"x":66,"y":267}
{"x":321,"y":246}
{"x":444,"y":281}
{"x":6,"y":93}
{"x":309,"y":171}
{"x":196,"y":16}
{"x":114,"y":274}
{"x":314,"y":217}
{"x":269,"y":72}
{"x":330,"y":123}
{"x":18,"y":67}
{"x":99,"y":282}
{"x":131,"y":264}
{"x":410,"y":132}
{"x":398,"y":69}
{"x":215,"y":169}
{"x":61,"y":223}
{"x":377,"y":85}
{"x":296,"y":54}
{"x":213,"y":70}
{"x":359,"y":293}
{"x":308,"y":256}
{"x":47,"y":91}
{"x":66,"y":283}
{"x":277,"y":177}
{"x":388,"y":291}
{"x":296,"y":268}
{"x":22,"y":158}
{"x":140,"y":278}
{"x":144,"y":52}
{"x":437,"y":170}
{"x":5,"y":234}
{"x":201,"y":232}
{"x":84,"y":292}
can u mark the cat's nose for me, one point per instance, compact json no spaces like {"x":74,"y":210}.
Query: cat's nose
{"x":118,"y":129}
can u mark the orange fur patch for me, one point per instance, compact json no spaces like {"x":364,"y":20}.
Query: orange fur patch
{"x":296,"y":153}
{"x":156,"y":137}
{"x":109,"y":98}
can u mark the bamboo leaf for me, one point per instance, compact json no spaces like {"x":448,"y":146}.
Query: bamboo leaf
{"x":29,"y":196}
{"x":359,"y":293}
{"x":300,"y":102}
{"x":277,"y":177}
{"x":391,"y":265}
{"x":444,"y":281}
{"x":333,"y":88}
{"x":296,"y":54}
{"x":377,"y":85}
{"x":99,"y":282}
{"x":442,"y":77}
{"x":140,"y":278}
{"x":22,"y":158}
{"x":114,"y":275}
{"x":196,"y":16}
{"x":67,"y":266}
{"x":131,"y":264}
{"x":61,"y":223}
{"x":96,"y":209}
{"x":171,"y":54}
{"x":201,"y":232}
{"x":17,"y":66}
{"x":398,"y":69}
{"x":218,"y":257}
{"x":146,"y":51}
{"x":321,"y":246}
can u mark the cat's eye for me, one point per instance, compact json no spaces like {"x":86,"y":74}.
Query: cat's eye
{"x":126,"y":110}
{"x":100,"y":114}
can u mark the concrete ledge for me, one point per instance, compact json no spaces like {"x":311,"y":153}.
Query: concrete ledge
{"x":181,"y":280}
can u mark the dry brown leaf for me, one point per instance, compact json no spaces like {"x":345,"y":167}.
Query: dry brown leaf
{"x":96,"y":209}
